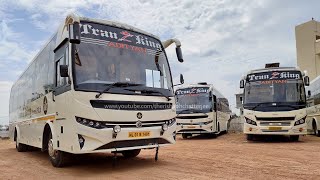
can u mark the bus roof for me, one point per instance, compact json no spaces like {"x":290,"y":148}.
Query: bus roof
{"x":273,"y":69}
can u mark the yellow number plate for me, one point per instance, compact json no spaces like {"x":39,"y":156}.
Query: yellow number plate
{"x":275,"y":128}
{"x":191,"y":127}
{"x":139,"y":134}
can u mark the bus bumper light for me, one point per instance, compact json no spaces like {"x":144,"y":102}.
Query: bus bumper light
{"x":81,"y":141}
{"x":250,"y":129}
{"x":164,"y":127}
{"x":300,"y":129}
{"x":116,"y":130}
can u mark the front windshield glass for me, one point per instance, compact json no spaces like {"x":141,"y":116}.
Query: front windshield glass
{"x":193,"y":100}
{"x":263,"y":89}
{"x":107,"y":55}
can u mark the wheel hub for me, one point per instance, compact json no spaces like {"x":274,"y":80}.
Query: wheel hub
{"x":51,"y":151}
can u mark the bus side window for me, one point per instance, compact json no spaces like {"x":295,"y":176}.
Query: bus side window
{"x":60,"y":81}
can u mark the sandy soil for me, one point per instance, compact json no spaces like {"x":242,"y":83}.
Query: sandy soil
{"x":226,"y":157}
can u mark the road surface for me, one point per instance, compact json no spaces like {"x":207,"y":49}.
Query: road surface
{"x":229,"y":156}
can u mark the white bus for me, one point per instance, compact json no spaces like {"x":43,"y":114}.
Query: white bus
{"x":201,"y":109}
{"x":313,"y":104}
{"x":96,"y":86}
{"x":274,"y":102}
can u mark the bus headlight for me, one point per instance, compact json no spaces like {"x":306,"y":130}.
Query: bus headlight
{"x":299,"y":122}
{"x":164,"y":127}
{"x":249,"y":121}
{"x":116,"y":129}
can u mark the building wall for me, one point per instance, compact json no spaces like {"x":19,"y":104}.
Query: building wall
{"x":307,"y":58}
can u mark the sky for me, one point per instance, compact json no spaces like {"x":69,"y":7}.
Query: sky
{"x":221,"y":39}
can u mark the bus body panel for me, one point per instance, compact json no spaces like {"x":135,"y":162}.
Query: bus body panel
{"x":59,"y":111}
{"x":268,"y":117}
{"x":208,"y":122}
{"x":276,"y":126}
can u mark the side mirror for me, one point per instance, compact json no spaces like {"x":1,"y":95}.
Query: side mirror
{"x":242,"y":84}
{"x":240,"y":99}
{"x":210,"y":96}
{"x":309,"y":93}
{"x":179,"y":54}
{"x":74,"y":33}
{"x":306,"y":81}
{"x":64,"y":71}
{"x":181,"y":79}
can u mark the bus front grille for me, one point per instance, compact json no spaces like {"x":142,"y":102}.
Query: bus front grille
{"x":275,"y":123}
{"x":275,"y":118}
{"x":133,"y":143}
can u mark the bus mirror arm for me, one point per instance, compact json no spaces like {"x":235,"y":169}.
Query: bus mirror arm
{"x":168,"y":42}
{"x":53,"y":96}
{"x":72,"y":22}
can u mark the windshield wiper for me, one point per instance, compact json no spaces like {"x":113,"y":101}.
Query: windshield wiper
{"x":191,"y":110}
{"x":150,"y":92}
{"x":116,"y":84}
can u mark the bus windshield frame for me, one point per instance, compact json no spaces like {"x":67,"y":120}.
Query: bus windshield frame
{"x":108,"y":54}
{"x":193,"y":100}
{"x":274,"y":91}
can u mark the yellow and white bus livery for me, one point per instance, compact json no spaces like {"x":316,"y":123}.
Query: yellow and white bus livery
{"x":201,"y":109}
{"x":96,"y":86}
{"x":274,"y":102}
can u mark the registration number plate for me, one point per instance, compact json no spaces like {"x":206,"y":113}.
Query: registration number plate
{"x":275,"y":128}
{"x":191,"y":127}
{"x":139,"y":134}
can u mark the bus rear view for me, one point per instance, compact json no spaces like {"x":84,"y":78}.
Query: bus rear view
{"x":274,"y":102}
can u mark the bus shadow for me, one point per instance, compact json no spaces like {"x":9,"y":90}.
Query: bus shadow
{"x":273,"y":139}
{"x":98,"y":163}
{"x":202,"y":137}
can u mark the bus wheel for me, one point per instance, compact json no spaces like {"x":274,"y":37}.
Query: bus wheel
{"x":249,"y":137}
{"x":20,"y":147}
{"x":294,"y":138}
{"x":315,"y":129}
{"x":57,"y":158}
{"x":131,"y":153}
{"x":185,"y":135}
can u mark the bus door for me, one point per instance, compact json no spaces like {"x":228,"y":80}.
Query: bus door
{"x":62,"y":87}
{"x":214,"y":112}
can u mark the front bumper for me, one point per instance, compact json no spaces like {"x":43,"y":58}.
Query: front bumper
{"x":271,"y":130}
{"x":103,"y":140}
{"x":194,"y":129}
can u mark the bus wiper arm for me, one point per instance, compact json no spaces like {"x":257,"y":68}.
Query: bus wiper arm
{"x":116,"y":84}
{"x":150,"y":92}
{"x":191,"y":110}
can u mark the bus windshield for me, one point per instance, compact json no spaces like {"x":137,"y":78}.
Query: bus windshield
{"x":193,"y":100}
{"x":287,"y":92}
{"x":111,"y":55}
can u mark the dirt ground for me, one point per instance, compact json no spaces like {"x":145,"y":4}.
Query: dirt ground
{"x":228,"y":156}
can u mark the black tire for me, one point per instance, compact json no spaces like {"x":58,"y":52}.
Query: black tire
{"x":131,"y":153}
{"x":57,"y":158}
{"x":250,"y":137}
{"x":185,"y":135}
{"x":19,"y":146}
{"x":316,"y":132}
{"x":294,"y":138}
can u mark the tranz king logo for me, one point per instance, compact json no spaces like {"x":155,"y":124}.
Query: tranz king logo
{"x":104,"y":32}
{"x":192,"y":91}
{"x":274,"y":75}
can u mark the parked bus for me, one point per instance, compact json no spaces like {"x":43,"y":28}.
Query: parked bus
{"x":96,"y":86}
{"x":201,"y":109}
{"x":313,"y":110}
{"x":274,"y":102}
